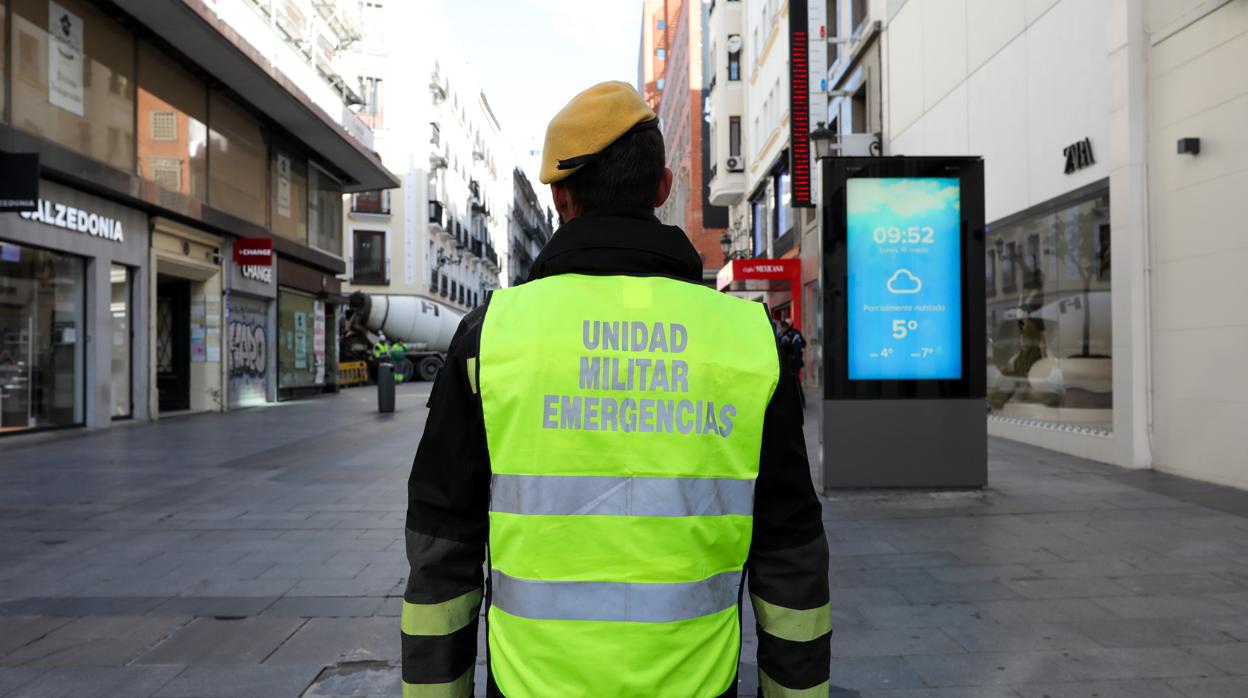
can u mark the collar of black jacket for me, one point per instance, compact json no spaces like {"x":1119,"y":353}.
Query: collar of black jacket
{"x":623,"y":241}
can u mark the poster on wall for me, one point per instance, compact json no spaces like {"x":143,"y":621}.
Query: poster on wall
{"x":904,"y":278}
{"x":65,"y":59}
{"x":283,"y":185}
{"x":247,"y":351}
{"x":318,"y":340}
{"x":301,"y":340}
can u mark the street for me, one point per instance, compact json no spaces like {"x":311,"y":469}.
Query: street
{"x":259,"y":553}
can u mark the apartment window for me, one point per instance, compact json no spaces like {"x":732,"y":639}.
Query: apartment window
{"x":858,"y":110}
{"x":834,"y":25}
{"x":236,"y":182}
{"x":324,"y":211}
{"x":173,"y":129}
{"x":165,"y":171}
{"x":371,"y":113}
{"x":435,"y":134}
{"x":84,"y":103}
{"x":660,"y":53}
{"x":734,"y":136}
{"x":734,"y":64}
{"x":660,"y":25}
{"x":368,"y":258}
{"x":858,"y":13}
{"x":289,"y":200}
{"x":659,"y":83}
{"x":164,"y":125}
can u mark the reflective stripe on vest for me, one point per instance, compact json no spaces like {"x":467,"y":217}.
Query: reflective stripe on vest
{"x":624,"y":420}
{"x":614,"y":601}
{"x":621,"y":496}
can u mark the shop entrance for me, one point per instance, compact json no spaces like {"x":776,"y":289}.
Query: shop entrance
{"x":173,"y":343}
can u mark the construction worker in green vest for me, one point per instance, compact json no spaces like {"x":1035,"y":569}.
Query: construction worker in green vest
{"x":618,"y":437}
{"x":398,"y":356}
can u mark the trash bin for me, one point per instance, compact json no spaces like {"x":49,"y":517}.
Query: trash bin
{"x":385,"y":388}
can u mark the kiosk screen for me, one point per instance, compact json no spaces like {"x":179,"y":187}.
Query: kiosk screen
{"x":904,"y":278}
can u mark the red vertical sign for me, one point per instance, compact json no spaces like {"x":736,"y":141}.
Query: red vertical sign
{"x":799,"y":105}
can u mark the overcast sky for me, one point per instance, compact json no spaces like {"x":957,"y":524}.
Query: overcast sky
{"x":535,"y":55}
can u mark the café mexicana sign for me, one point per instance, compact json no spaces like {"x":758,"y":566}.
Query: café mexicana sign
{"x":76,"y":219}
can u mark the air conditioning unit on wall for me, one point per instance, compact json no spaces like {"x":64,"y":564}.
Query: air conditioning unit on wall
{"x":736,"y":164}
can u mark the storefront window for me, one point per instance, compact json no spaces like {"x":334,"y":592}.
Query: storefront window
{"x":173,"y":130}
{"x":324,"y":211}
{"x":290,"y":196}
{"x":42,"y":333}
{"x":120,"y":309}
{"x":296,"y":354}
{"x":1049,"y":320}
{"x":239,"y":161}
{"x":78,"y":92}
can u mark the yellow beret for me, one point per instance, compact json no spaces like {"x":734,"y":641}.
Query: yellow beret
{"x":593,"y":120}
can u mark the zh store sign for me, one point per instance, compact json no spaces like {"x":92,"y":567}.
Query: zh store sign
{"x":1078,"y":156}
{"x":60,"y":215}
{"x":254,"y":257}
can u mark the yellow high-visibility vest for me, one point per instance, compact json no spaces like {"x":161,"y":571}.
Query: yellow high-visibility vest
{"x":624,"y":420}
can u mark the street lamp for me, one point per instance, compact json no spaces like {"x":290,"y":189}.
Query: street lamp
{"x":824,"y":140}
{"x":725,"y":244}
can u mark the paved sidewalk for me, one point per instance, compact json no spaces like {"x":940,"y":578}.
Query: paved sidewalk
{"x":259,"y":553}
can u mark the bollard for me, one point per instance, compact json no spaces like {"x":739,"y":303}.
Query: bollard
{"x":385,"y":388}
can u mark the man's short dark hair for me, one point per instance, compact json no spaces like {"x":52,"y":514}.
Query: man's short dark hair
{"x":625,"y":175}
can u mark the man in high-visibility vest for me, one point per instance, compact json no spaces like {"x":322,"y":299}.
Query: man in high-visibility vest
{"x":618,"y":434}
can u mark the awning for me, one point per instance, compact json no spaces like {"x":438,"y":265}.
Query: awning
{"x":765,"y":270}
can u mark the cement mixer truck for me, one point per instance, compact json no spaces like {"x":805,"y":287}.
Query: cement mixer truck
{"x":423,"y":324}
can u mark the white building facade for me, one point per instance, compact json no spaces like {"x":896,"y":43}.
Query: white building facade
{"x":444,"y":232}
{"x":748,"y":59}
{"x":1113,"y":249}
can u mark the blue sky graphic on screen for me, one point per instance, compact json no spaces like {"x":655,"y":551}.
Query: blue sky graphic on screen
{"x":905,"y":273}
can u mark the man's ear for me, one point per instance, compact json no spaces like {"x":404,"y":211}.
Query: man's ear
{"x":665,"y":187}
{"x":564,"y":205}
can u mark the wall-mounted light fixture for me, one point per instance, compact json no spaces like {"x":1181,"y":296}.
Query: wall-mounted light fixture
{"x":1189,"y":146}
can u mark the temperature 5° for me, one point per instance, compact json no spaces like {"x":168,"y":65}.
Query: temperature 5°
{"x":901,"y":328}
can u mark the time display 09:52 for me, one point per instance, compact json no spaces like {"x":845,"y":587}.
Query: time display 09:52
{"x":913,"y":235}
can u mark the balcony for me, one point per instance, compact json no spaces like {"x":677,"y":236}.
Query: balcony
{"x":437,"y":214}
{"x":375,"y":203}
{"x":474,"y":188}
{"x":727,"y":185}
{"x":475,"y":248}
{"x":491,"y":255}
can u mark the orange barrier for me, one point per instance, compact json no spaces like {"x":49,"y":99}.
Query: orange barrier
{"x":352,"y":373}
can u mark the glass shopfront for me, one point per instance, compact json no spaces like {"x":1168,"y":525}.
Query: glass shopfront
{"x":300,"y":363}
{"x":42,"y":336}
{"x":121,"y":310}
{"x":1049,"y":315}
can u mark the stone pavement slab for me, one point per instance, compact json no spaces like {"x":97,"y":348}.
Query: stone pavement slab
{"x":15,"y":632}
{"x":331,"y":641}
{"x":212,"y":641}
{"x":95,"y":641}
{"x":366,"y":680}
{"x":239,"y":682}
{"x":97,"y":682}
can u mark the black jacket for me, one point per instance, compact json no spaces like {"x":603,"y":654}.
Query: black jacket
{"x":447,"y":518}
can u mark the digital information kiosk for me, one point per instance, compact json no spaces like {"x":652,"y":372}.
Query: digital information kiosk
{"x":904,"y":353}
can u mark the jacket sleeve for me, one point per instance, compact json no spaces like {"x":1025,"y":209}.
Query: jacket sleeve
{"x":788,"y":562}
{"x":446,"y":530}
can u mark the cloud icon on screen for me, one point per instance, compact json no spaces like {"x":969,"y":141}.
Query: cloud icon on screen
{"x":903,"y":281}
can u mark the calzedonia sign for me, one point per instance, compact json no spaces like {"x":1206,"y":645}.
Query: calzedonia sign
{"x":254,"y":257}
{"x":79,"y":220}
